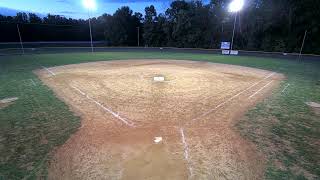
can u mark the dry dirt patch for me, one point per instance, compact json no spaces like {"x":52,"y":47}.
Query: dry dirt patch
{"x":194,"y":110}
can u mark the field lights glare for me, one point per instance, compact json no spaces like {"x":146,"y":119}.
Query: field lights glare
{"x":89,"y":4}
{"x":236,"y":5}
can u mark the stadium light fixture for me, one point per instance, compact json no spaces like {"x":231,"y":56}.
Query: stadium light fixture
{"x":234,"y":7}
{"x":91,"y":6}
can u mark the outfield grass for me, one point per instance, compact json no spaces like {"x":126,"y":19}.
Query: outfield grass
{"x":283,"y":127}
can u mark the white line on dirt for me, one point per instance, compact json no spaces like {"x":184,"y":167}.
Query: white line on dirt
{"x":78,"y":90}
{"x":126,"y":121}
{"x":186,"y":151}
{"x":116,"y":115}
{"x":47,"y":69}
{"x":285,"y":88}
{"x":260,"y":89}
{"x":32,"y":82}
{"x":230,"y":99}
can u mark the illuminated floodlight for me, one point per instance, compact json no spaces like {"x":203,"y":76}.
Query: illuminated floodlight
{"x":236,"y":5}
{"x":89,"y":4}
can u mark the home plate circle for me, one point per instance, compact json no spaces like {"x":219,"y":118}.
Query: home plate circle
{"x":158,"y":78}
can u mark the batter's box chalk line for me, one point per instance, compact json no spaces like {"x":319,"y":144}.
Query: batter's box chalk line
{"x":116,"y":115}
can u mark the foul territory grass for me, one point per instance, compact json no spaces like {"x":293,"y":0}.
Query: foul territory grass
{"x":285,"y":129}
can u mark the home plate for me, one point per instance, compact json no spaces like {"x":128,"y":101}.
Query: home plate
{"x":157,"y":139}
{"x":158,"y":78}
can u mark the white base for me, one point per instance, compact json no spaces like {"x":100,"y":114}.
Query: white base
{"x":157,"y":139}
{"x":158,"y":78}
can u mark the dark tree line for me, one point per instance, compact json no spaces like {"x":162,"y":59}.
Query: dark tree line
{"x":268,"y":25}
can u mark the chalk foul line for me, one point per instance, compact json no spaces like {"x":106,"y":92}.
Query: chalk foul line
{"x":79,"y":90}
{"x":260,"y":89}
{"x":186,"y":151}
{"x":230,"y":99}
{"x":47,"y":69}
{"x":32,"y":82}
{"x":116,"y":115}
{"x":285,"y":88}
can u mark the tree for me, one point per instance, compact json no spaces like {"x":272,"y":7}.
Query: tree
{"x":267,"y":25}
{"x":122,"y":28}
{"x":33,"y":18}
{"x":189,"y":24}
{"x":153,"y":28}
{"x":21,"y":17}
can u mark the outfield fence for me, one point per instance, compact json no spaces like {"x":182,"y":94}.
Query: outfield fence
{"x":14,"y":48}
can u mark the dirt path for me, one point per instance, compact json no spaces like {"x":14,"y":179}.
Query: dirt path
{"x":123,"y":109}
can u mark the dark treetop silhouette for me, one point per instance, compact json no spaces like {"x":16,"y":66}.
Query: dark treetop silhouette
{"x":267,"y":25}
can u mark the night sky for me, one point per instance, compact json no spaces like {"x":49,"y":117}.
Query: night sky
{"x":75,"y":9}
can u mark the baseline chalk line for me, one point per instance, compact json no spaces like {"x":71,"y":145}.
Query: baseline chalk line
{"x":78,"y":90}
{"x":186,"y":151}
{"x":260,"y":89}
{"x":32,"y":82}
{"x":47,"y":69}
{"x":230,"y":99}
{"x":285,"y":88}
{"x":116,"y":115}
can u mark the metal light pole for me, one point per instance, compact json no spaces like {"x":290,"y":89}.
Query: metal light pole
{"x":304,"y":38}
{"x":22,"y":48}
{"x":138,"y":36}
{"x":90,"y":5}
{"x":234,"y":28}
{"x":235,"y":6}
{"x":90,"y":31}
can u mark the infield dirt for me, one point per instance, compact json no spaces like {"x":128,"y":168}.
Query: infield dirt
{"x":122,"y":110}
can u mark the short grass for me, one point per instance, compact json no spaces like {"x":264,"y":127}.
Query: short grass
{"x":283,"y":127}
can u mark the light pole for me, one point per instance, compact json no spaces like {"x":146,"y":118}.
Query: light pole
{"x":90,"y":5}
{"x":20,"y":39}
{"x":90,"y":32}
{"x":234,"y":28}
{"x":138,"y":36}
{"x":304,"y":38}
{"x":234,"y":7}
